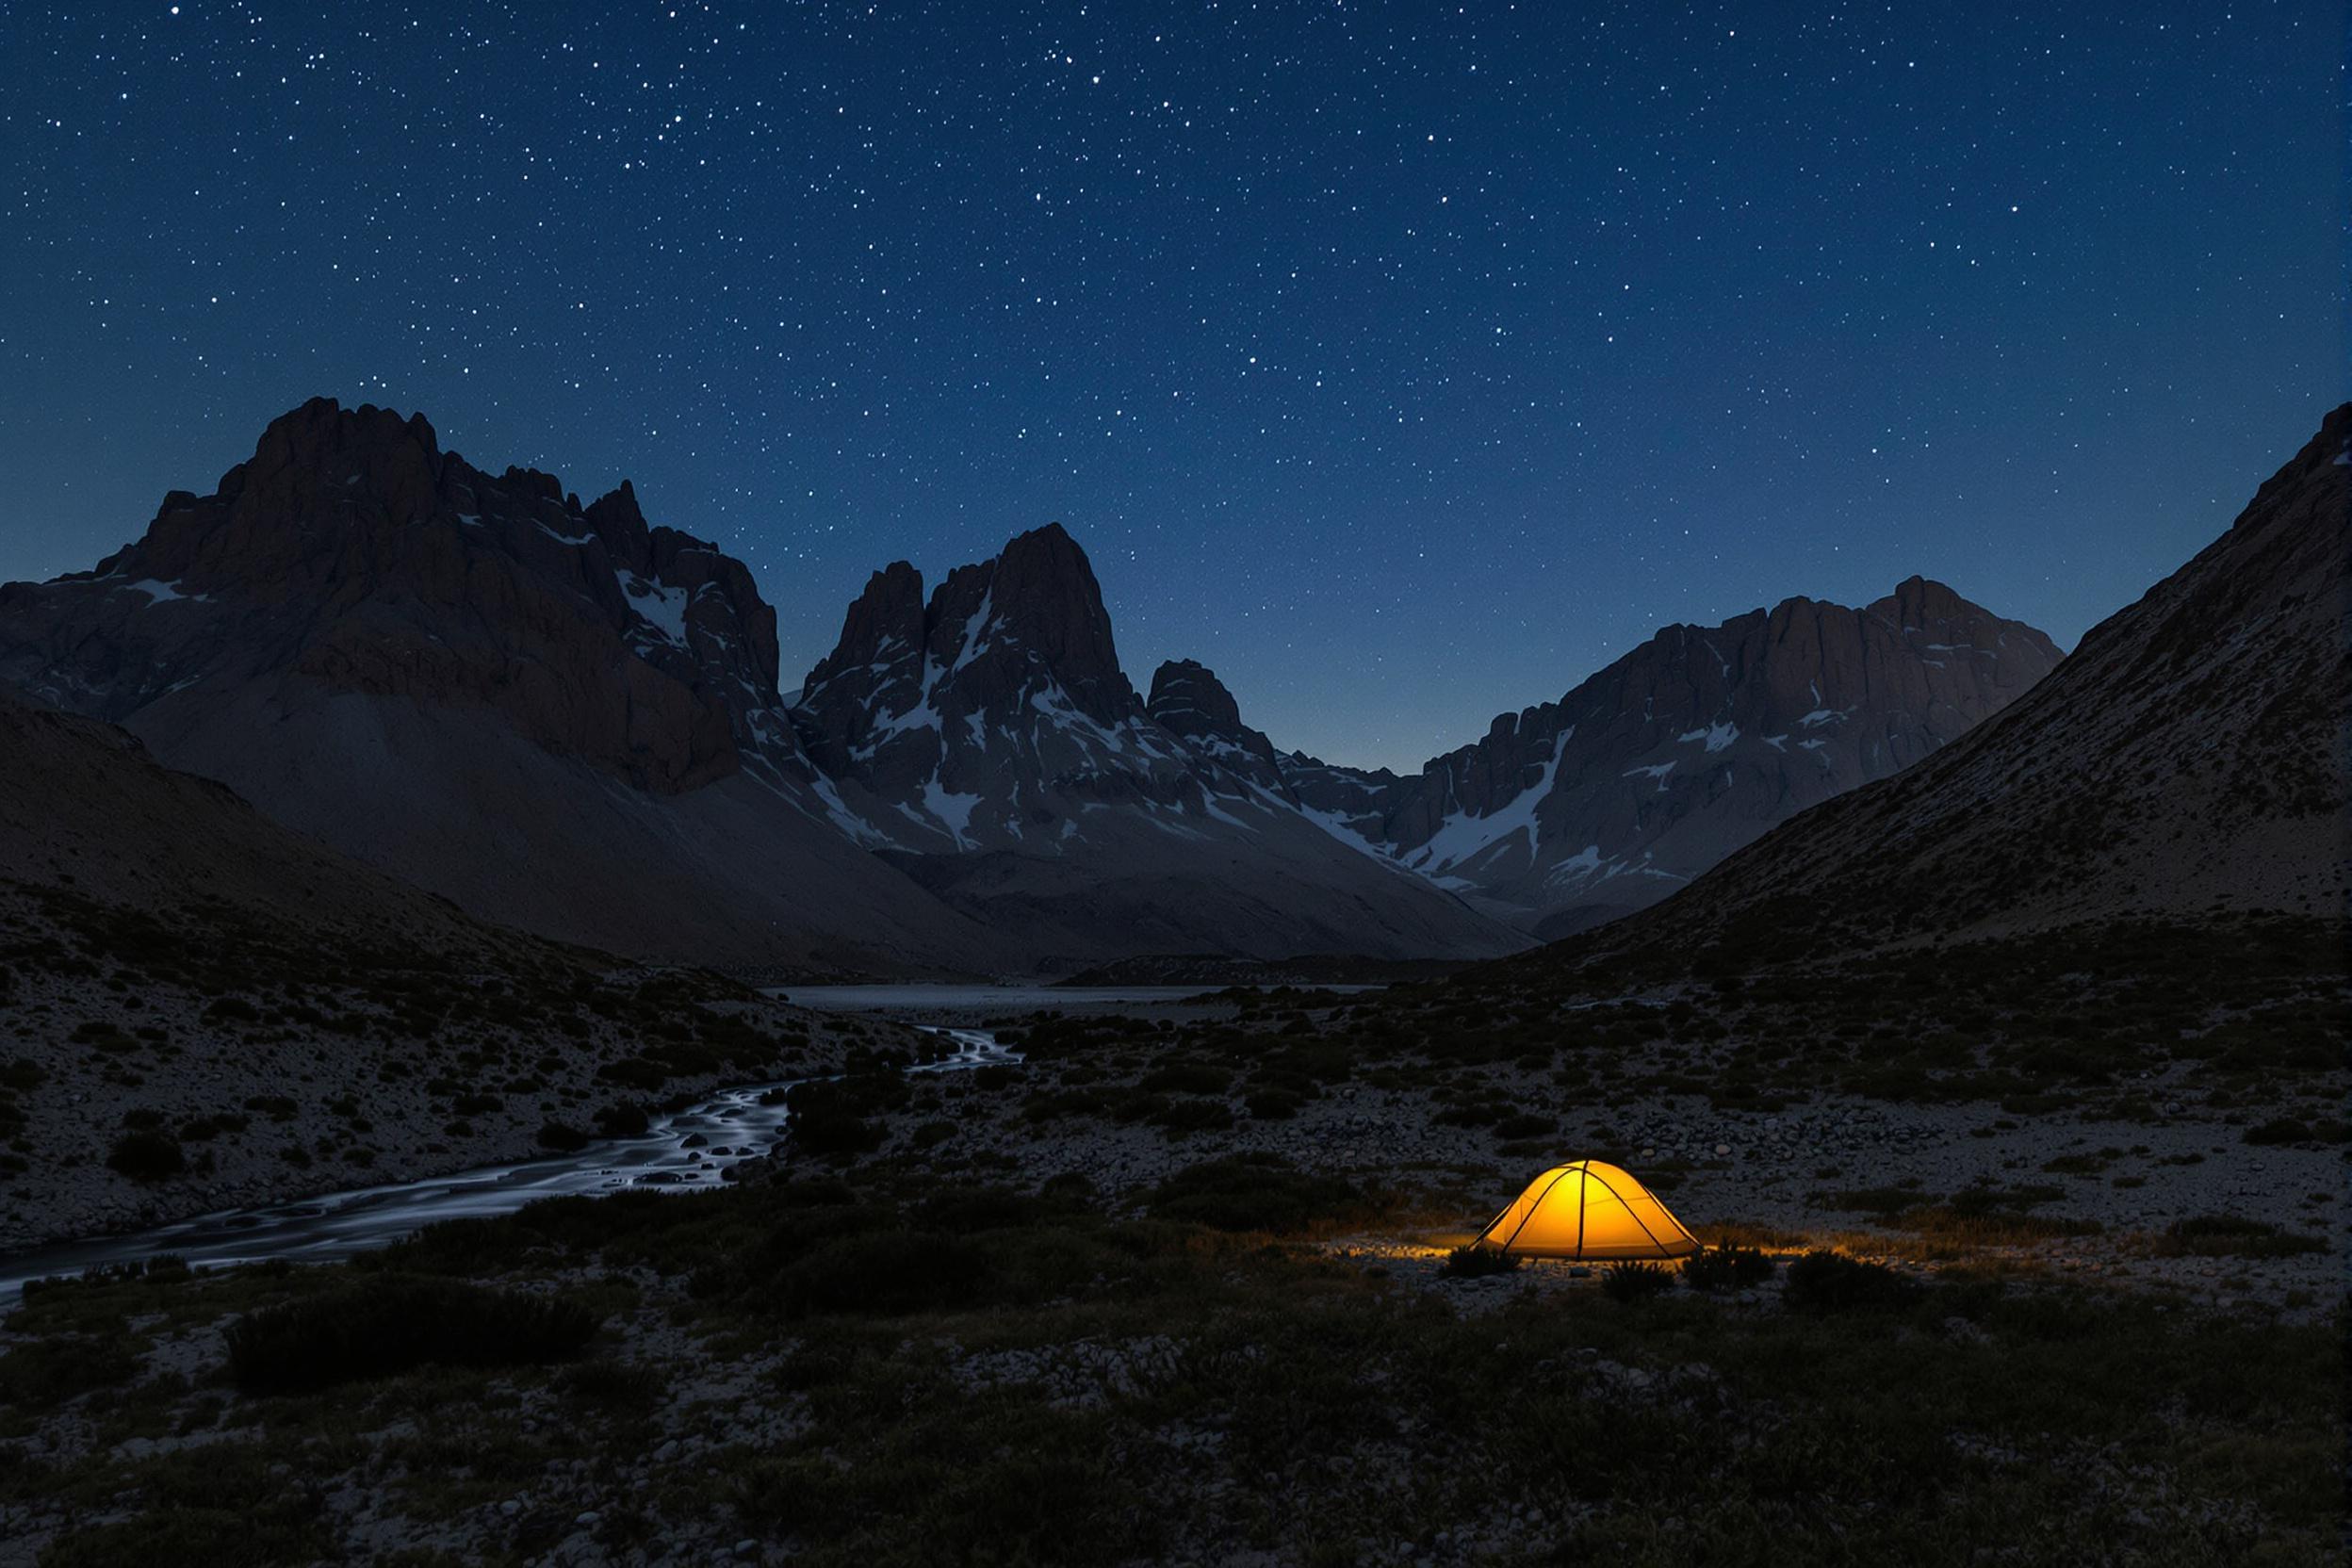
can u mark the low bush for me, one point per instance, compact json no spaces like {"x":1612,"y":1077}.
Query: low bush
{"x":47,"y":1372}
{"x":383,"y":1326}
{"x":147,"y":1155}
{"x":562,"y":1139}
{"x":1256,"y":1192}
{"x":1525,"y":1126}
{"x":1273,"y":1104}
{"x":1188,"y":1115}
{"x":1636,"y":1281}
{"x":1822,"y":1281}
{"x":825,"y":1121}
{"x":1477,"y":1262}
{"x":626,"y":1120}
{"x":887,"y":1272}
{"x":1187,"y":1078}
{"x":1726,"y":1268}
{"x":2220,"y":1236}
{"x":2288,"y":1129}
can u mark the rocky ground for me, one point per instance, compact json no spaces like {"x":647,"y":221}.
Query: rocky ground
{"x":2076,"y":1189}
{"x":1176,"y":1288}
{"x":127,"y":1105}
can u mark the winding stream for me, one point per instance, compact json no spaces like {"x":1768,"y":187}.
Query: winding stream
{"x":685,"y":1150}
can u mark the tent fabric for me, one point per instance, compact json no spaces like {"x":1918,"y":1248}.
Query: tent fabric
{"x":1591,"y":1209}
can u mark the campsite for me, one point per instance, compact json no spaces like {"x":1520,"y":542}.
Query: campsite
{"x":1231,"y":784}
{"x":1220,"y":1256}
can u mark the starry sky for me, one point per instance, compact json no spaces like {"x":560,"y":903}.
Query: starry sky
{"x":1406,"y":363}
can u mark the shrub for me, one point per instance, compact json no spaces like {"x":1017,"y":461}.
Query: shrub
{"x":1187,"y":1078}
{"x":2286,"y":1129}
{"x":1525,"y":1126}
{"x":147,"y":1155}
{"x":1273,"y":1104}
{"x":561,"y":1138}
{"x":1822,"y":1281}
{"x":886,"y":1272}
{"x":1477,"y":1262}
{"x":1255,"y":1192}
{"x":2220,"y":1236}
{"x":612,"y":1386}
{"x":1726,"y":1268}
{"x":1193,"y":1115}
{"x":626,"y":1120}
{"x":1636,"y":1281}
{"x":45,"y":1372}
{"x":204,"y":1128}
{"x":381,"y":1327}
{"x":825,"y":1121}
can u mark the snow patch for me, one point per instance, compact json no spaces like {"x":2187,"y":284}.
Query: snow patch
{"x":663,"y":609}
{"x":1717,"y":736}
{"x":1462,"y":838}
{"x":161,"y":592}
{"x":954,"y":811}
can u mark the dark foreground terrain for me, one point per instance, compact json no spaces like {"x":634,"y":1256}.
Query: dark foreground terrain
{"x":1179,"y":1291}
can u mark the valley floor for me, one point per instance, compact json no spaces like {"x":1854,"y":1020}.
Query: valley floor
{"x":1174,"y":1290}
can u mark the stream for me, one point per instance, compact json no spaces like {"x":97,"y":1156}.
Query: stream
{"x":683,"y":1151}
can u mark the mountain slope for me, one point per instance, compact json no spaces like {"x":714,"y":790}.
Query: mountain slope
{"x":568,"y":720}
{"x":2185,"y":762}
{"x":988,"y":744}
{"x":175,"y":965}
{"x":1688,"y":747}
{"x":555,"y":714}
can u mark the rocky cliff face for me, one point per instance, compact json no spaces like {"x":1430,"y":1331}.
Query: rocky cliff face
{"x":1688,"y":747}
{"x":1189,"y":702}
{"x":558,"y":715}
{"x":981,"y":719}
{"x":350,"y":551}
{"x":567,"y":719}
{"x":2186,"y":761}
{"x":986,"y":741}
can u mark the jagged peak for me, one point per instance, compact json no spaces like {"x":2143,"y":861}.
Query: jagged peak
{"x":1187,"y":695}
{"x":323,"y":426}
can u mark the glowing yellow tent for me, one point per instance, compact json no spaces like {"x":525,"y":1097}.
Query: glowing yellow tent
{"x":1589,"y":1209}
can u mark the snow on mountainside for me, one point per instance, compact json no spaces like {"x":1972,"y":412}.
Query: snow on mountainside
{"x":987,"y":740}
{"x":2185,"y":762}
{"x":554,"y":714}
{"x":1693,"y":745}
{"x":569,"y":721}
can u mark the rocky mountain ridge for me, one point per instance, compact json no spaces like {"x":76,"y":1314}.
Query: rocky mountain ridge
{"x":567,"y":719}
{"x":1645,"y":775}
{"x":2186,"y":763}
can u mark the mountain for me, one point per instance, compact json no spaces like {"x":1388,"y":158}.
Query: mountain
{"x":986,"y":742}
{"x":556,"y":715}
{"x":1575,"y":812}
{"x":567,"y":720}
{"x":2185,"y":763}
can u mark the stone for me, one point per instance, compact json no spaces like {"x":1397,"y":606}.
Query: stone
{"x":1694,"y":744}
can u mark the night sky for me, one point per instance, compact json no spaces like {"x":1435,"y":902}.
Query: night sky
{"x":1405,"y":363}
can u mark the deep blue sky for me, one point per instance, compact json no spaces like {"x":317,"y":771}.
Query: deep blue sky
{"x":1406,"y":363}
